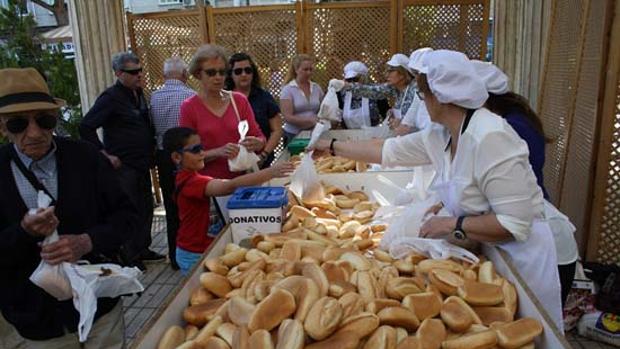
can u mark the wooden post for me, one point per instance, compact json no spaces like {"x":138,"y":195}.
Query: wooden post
{"x":299,"y":25}
{"x":211,"y":25}
{"x":396,"y":26}
{"x":204,"y":25}
{"x":606,"y":137}
{"x":485,"y":29}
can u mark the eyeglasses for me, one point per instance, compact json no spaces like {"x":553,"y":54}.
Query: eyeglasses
{"x":211,"y":72}
{"x":420,"y":94}
{"x":194,"y":149}
{"x":247,"y":70}
{"x":132,"y":71}
{"x":355,"y":79}
{"x":18,"y":124}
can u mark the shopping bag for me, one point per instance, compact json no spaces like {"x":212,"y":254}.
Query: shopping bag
{"x":51,"y":278}
{"x":245,"y":159}
{"x":305,"y":181}
{"x":329,"y":109}
{"x":408,"y":223}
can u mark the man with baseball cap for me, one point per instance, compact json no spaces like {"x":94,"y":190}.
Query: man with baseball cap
{"x":89,"y":210}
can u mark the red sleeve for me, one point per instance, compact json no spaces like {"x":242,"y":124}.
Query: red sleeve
{"x":245,"y":109}
{"x":196,"y":186}
{"x":187,"y":118}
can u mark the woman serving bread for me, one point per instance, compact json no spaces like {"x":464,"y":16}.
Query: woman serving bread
{"x":483,"y":179}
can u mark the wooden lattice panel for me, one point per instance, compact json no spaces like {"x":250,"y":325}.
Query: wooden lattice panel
{"x":158,"y":37}
{"x":445,"y":26}
{"x":609,"y":240}
{"x":336,"y":36}
{"x":269,"y":36}
{"x":558,"y":88}
{"x":580,"y":157}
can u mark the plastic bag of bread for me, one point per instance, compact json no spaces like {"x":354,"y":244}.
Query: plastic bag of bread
{"x":245,"y":160}
{"x":51,"y":278}
{"x":408,"y":223}
{"x":329,"y":106}
{"x":305,"y":180}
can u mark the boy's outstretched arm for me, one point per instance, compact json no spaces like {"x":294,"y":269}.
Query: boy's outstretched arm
{"x":220,"y":187}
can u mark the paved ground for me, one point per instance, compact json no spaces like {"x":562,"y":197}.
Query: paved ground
{"x":160,"y":281}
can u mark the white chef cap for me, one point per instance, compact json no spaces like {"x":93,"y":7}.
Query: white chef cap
{"x":494,"y":78}
{"x":416,"y":58}
{"x":452,"y":79}
{"x":355,"y":68}
{"x":399,"y":60}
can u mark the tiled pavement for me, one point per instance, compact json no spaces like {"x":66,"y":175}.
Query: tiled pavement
{"x":160,"y":281}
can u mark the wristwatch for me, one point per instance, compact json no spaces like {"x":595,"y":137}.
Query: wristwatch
{"x":458,"y":233}
{"x":332,"y":152}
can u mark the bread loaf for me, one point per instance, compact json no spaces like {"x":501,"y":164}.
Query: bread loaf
{"x":215,"y":283}
{"x":316,"y":274}
{"x":482,"y":294}
{"x":410,"y":343}
{"x":384,"y":337}
{"x":200,"y":296}
{"x":455,"y":315}
{"x":226,"y":331}
{"x":398,"y":288}
{"x":172,"y":338}
{"x":446,"y":281}
{"x":352,"y":304}
{"x":479,"y":340}
{"x":379,"y":304}
{"x":361,"y":325}
{"x":323,"y":318}
{"x":216,"y":343}
{"x":305,"y":291}
{"x":518,"y":333}
{"x":339,"y":340}
{"x":239,"y":311}
{"x":291,"y":335}
{"x":279,"y":305}
{"x":208,"y":331}
{"x":431,"y":334}
{"x":260,"y":339}
{"x":197,"y":314}
{"x":399,"y":317}
{"x":425,"y":305}
{"x":489,"y":315}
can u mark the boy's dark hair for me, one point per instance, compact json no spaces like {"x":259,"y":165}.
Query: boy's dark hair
{"x":176,"y":138}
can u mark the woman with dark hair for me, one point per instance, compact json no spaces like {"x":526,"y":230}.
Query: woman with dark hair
{"x":516,"y":110}
{"x":243,"y":77}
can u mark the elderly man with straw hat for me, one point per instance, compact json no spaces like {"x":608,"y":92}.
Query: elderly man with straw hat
{"x":91,"y":213}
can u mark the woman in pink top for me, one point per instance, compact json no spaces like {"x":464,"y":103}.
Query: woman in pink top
{"x":212,"y":114}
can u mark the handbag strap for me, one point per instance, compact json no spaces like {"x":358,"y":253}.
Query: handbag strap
{"x":232,"y":100}
{"x":34,"y":181}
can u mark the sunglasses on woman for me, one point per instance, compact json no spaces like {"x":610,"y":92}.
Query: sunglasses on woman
{"x":18,"y":124}
{"x":194,"y":149}
{"x":212,"y":72}
{"x":247,"y":70}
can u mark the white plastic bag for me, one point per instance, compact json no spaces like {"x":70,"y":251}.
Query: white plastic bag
{"x":408,"y":223}
{"x":83,"y":283}
{"x":245,"y":160}
{"x":432,"y":248}
{"x":51,"y":278}
{"x":305,"y":180}
{"x":382,"y":131}
{"x":90,"y":282}
{"x":329,"y":109}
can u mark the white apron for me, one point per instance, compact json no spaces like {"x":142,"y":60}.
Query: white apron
{"x":355,"y":118}
{"x":535,"y":258}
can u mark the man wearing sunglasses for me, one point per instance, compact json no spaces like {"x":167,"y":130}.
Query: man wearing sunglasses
{"x":129,"y":143}
{"x":90,"y":213}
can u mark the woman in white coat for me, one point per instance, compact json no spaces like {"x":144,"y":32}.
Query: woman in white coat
{"x":483,"y":179}
{"x":358,"y":112}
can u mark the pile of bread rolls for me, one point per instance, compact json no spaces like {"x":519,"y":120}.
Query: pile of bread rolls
{"x":333,"y":164}
{"x":323,"y":284}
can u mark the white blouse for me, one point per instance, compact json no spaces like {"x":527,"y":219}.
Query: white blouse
{"x":490,"y":170}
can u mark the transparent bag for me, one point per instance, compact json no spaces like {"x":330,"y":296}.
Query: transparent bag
{"x":305,"y":181}
{"x":329,"y":109}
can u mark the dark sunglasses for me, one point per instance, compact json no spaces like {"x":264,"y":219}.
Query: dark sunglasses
{"x":247,"y":70}
{"x":211,"y":72}
{"x":194,"y":149}
{"x":20,"y":124}
{"x":132,"y":71}
{"x":420,"y":94}
{"x":355,"y":79}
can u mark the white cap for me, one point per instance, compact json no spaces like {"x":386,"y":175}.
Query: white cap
{"x":416,"y":58}
{"x":452,"y":79}
{"x":355,"y":68}
{"x":399,"y":60}
{"x":494,"y":78}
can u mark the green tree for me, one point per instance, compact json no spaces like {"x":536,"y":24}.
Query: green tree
{"x":22,"y":48}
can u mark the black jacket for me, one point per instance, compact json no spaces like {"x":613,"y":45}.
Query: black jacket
{"x":127,"y":128}
{"x":89,"y":201}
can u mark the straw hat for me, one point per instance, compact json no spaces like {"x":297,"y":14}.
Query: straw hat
{"x":24,"y":90}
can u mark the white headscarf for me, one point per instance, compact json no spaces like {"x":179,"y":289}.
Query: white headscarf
{"x":452,"y":79}
{"x":416,"y":58}
{"x":399,"y":60}
{"x":355,"y":68}
{"x":494,"y":78}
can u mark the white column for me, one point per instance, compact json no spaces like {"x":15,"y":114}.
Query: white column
{"x":98,"y":32}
